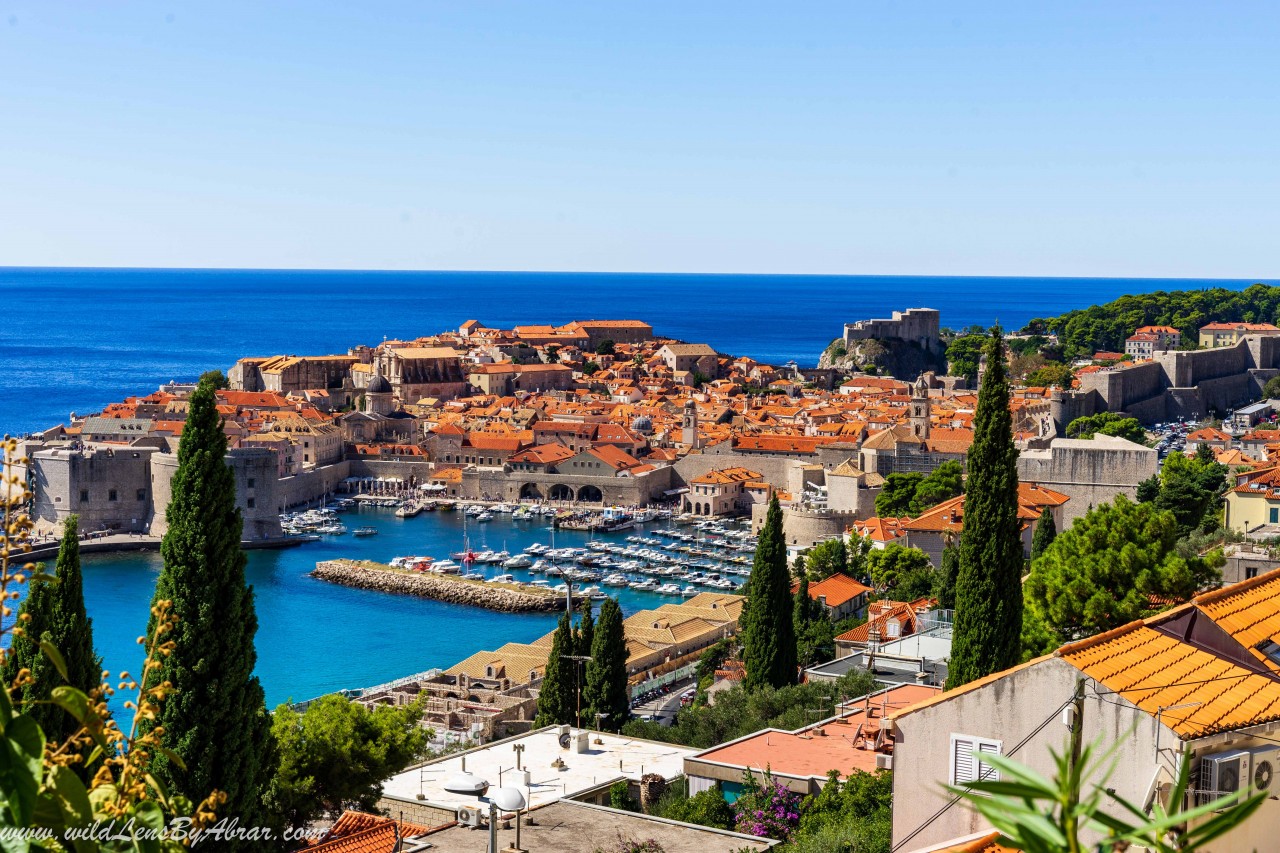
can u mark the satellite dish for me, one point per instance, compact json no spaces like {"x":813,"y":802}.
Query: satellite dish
{"x":508,"y":799}
{"x":565,"y":740}
{"x":465,"y":783}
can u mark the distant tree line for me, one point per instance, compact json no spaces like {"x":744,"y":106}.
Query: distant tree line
{"x":1105,"y":327}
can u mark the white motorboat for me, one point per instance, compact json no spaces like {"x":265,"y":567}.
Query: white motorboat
{"x":689,"y":592}
{"x":615,"y":580}
{"x":668,"y":589}
{"x":646,"y":585}
{"x":445,"y":567}
{"x":484,"y":516}
{"x":520,"y":561}
{"x":502,"y":579}
{"x":592,"y":592}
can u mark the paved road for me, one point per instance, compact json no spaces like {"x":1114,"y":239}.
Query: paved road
{"x":664,"y":708}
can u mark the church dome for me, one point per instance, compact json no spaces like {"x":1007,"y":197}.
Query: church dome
{"x":379,"y":385}
{"x":642,"y":424}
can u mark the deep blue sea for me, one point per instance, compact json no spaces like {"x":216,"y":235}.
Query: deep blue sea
{"x":77,"y":339}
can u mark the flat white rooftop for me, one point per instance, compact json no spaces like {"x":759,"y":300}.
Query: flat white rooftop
{"x":616,"y":757}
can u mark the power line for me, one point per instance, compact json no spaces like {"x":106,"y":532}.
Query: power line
{"x":940,"y":812}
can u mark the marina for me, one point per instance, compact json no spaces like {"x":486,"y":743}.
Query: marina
{"x":316,"y":637}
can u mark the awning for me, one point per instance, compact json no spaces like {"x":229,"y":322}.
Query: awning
{"x":670,"y":492}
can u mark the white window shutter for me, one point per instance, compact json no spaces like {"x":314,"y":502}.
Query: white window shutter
{"x":988,"y":772}
{"x":962,"y":761}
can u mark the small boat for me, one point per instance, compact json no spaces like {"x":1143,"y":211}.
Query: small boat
{"x":615,"y":580}
{"x":592,"y":592}
{"x":472,"y":576}
{"x":668,"y":589}
{"x":502,"y":579}
{"x":646,"y":585}
{"x":445,"y":567}
{"x":365,"y":531}
{"x":484,"y":516}
{"x":539,"y":566}
{"x":560,"y":589}
{"x":689,"y":592}
{"x":520,"y":561}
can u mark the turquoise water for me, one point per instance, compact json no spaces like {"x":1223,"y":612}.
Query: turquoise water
{"x":316,"y":637}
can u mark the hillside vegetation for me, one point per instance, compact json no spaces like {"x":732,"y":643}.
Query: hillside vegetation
{"x":1105,"y":327}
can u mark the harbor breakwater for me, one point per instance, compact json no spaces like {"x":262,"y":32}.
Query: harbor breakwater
{"x":366,"y":574}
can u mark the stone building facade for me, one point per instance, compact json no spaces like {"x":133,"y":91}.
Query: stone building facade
{"x":915,"y":325}
{"x":1090,"y":472}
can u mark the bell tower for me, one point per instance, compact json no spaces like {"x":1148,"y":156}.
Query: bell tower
{"x":920,"y":408}
{"x":689,"y":426}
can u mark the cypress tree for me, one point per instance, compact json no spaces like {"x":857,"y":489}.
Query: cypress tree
{"x":946,"y":586}
{"x":606,"y":691}
{"x":1046,"y":532}
{"x":556,"y":698}
{"x":216,"y":720}
{"x":768,"y":626}
{"x":988,"y":623}
{"x":55,"y":613}
{"x":585,"y":637}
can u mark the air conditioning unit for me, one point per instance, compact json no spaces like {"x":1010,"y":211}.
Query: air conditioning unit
{"x":1225,"y":773}
{"x":884,"y":761}
{"x":1266,"y":763}
{"x":467,"y":816}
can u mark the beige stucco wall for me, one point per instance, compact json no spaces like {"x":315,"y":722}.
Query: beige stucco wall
{"x":1008,"y":710}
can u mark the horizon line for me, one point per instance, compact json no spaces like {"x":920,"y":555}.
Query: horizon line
{"x":125,"y":268}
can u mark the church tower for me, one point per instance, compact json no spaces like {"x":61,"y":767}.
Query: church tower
{"x":920,"y":408}
{"x":689,"y":426}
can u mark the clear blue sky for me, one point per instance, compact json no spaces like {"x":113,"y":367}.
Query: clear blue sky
{"x":1107,"y":138}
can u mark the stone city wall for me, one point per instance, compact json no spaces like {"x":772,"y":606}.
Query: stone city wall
{"x":109,"y":488}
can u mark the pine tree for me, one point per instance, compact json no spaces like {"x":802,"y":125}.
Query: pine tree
{"x":54,"y":612}
{"x":1046,"y":532}
{"x":556,"y":696}
{"x":215,"y":720}
{"x":768,"y":626}
{"x":988,"y":622}
{"x":606,"y":690}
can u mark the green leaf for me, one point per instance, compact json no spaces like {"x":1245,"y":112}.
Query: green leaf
{"x":75,"y":703}
{"x":52,"y":653}
{"x":72,"y":795}
{"x":21,"y":760}
{"x":173,"y":757}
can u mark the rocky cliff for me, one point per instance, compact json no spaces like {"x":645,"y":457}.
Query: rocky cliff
{"x":886,"y":357}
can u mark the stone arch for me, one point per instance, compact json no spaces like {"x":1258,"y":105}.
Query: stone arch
{"x":560,"y":492}
{"x":530,"y":491}
{"x":591,"y":494}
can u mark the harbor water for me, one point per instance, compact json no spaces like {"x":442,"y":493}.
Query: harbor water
{"x":316,"y":637}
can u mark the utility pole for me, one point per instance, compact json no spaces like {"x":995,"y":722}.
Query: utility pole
{"x":1077,"y":738}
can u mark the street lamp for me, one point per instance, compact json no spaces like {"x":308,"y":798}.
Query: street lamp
{"x":509,"y":800}
{"x":600,"y":715}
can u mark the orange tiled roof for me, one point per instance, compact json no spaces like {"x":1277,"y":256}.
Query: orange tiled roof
{"x":838,"y":589}
{"x":357,"y":832}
